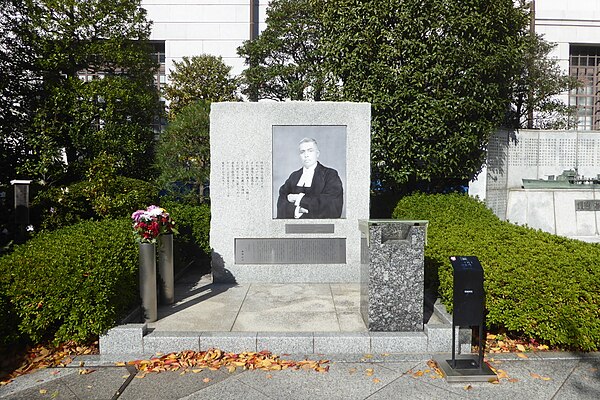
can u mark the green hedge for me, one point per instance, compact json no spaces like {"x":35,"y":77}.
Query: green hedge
{"x":192,"y":242}
{"x":76,"y":282}
{"x":537,"y":284}
{"x":73,"y":283}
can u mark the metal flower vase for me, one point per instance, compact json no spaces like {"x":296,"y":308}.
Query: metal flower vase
{"x":148,"y":281}
{"x":165,"y":268}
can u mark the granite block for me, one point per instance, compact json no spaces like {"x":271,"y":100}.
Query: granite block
{"x":392,"y":292}
{"x":235,"y":342}
{"x":440,"y":311}
{"x":398,"y":342}
{"x":168,"y":342}
{"x":123,"y":339}
{"x":342,"y":342}
{"x":439,"y":338}
{"x":288,"y":343}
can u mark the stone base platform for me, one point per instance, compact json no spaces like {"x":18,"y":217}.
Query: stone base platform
{"x":281,"y":318}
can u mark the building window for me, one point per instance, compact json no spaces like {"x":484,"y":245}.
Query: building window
{"x":584,"y":64}
{"x":158,"y":54}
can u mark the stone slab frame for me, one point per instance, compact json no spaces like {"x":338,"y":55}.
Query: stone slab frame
{"x":241,"y":191}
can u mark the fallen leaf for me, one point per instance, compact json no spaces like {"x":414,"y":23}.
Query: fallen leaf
{"x":352,"y":370}
{"x":521,"y":355}
{"x":538,"y":376}
{"x":268,"y":376}
{"x":418,"y":373}
{"x":513,"y":380}
{"x":206,"y":380}
{"x":43,"y":391}
{"x":501,"y":374}
{"x":375,"y":380}
{"x":85,"y":371}
{"x":368,"y":356}
{"x":468,"y":387}
{"x":369,"y":371}
{"x":520,"y":347}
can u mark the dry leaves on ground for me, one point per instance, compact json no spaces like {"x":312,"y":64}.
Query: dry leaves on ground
{"x":432,"y":372}
{"x":499,"y":343}
{"x":42,"y":356}
{"x":214,"y":359}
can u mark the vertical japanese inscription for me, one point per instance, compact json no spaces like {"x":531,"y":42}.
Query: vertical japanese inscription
{"x":240,"y":178}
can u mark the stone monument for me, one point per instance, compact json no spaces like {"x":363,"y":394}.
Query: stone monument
{"x":260,"y":230}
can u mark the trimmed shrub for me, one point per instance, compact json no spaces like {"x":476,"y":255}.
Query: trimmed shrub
{"x":9,"y":332}
{"x":73,"y":283}
{"x":540,"y":285}
{"x":192,"y":242}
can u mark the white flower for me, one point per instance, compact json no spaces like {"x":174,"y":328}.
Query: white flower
{"x":29,"y":228}
{"x":154,"y":211}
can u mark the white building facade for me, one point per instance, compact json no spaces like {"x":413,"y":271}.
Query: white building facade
{"x":575,"y":27}
{"x":187,"y":28}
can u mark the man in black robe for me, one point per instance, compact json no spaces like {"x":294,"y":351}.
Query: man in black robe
{"x":313,"y":191}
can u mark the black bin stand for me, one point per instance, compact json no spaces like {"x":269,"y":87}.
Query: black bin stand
{"x":469,"y":305}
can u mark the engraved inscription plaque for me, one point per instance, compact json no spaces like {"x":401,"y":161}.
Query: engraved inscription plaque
{"x":290,"y":251}
{"x":309,"y":228}
{"x":587,"y":205}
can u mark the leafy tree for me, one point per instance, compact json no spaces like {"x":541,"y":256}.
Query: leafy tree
{"x":285,"y":61}
{"x":439,"y":75}
{"x":18,"y":86}
{"x":535,"y":104}
{"x":203,"y":77}
{"x":183,"y":154}
{"x":75,"y":120}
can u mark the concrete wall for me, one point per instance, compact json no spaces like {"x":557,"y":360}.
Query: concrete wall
{"x":554,"y":211}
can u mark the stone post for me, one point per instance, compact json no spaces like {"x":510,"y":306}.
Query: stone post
{"x":392,"y":274}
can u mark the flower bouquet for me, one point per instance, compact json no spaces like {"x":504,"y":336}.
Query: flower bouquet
{"x":151,"y":222}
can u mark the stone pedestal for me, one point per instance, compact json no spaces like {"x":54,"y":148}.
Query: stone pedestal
{"x":392,"y":274}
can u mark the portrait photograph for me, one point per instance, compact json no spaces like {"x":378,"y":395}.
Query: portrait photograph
{"x":309,"y":172}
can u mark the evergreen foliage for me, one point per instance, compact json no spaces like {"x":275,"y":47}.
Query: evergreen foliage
{"x":203,"y":77}
{"x":62,"y":117}
{"x":285,"y":61}
{"x":438,"y":74}
{"x":183,"y":154}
